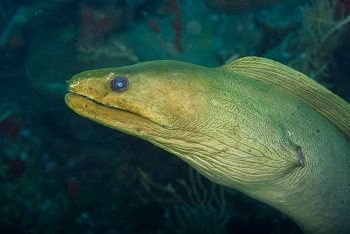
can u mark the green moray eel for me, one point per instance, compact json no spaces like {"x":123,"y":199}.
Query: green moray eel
{"x":253,"y":125}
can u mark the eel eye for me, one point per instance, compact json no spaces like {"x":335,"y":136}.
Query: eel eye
{"x":119,"y":84}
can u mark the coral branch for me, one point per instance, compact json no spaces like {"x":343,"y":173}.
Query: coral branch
{"x":176,"y":22}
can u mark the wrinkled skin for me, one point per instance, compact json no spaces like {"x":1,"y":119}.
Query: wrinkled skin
{"x":236,"y":131}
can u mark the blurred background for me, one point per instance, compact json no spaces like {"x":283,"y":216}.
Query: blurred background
{"x":61,"y":173}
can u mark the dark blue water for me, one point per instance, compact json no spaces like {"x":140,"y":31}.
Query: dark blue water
{"x":61,"y":173}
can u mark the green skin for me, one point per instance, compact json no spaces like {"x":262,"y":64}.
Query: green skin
{"x":234,"y":130}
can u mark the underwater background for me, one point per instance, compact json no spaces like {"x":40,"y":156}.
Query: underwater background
{"x":62,"y":173}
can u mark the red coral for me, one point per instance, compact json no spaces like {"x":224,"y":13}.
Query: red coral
{"x":73,"y":188}
{"x":153,"y":25}
{"x":10,"y":129}
{"x":97,"y":22}
{"x":343,"y":7}
{"x":176,"y":22}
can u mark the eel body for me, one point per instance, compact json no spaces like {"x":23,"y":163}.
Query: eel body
{"x":254,"y":125}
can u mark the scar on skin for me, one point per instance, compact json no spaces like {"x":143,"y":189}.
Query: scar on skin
{"x":300,"y":156}
{"x":74,"y":83}
{"x":109,"y":75}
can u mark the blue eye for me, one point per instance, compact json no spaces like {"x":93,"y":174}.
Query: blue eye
{"x":119,"y":84}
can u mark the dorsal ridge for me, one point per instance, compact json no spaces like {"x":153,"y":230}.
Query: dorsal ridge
{"x":330,"y":106}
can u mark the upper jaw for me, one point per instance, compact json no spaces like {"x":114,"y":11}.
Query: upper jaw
{"x":100,"y":103}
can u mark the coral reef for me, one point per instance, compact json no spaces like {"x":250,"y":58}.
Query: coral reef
{"x":97,"y":22}
{"x":314,"y":44}
{"x":204,"y":210}
{"x":60,"y":173}
{"x":176,"y":22}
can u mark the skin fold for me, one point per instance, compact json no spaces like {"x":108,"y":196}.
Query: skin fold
{"x":254,"y":125}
